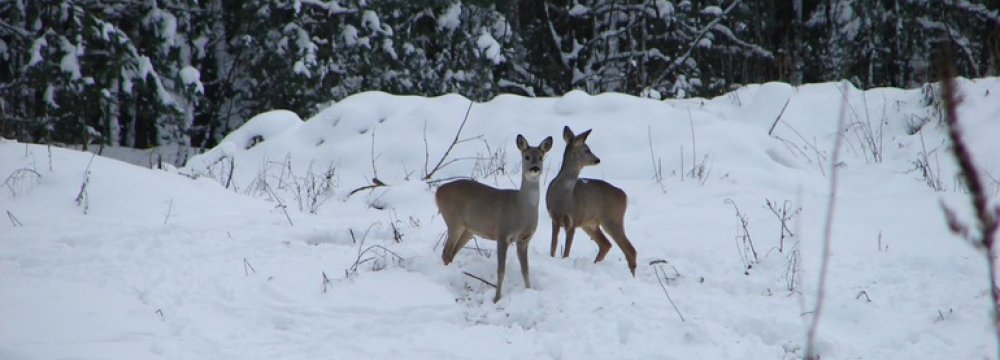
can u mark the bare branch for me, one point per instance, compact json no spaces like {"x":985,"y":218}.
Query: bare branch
{"x":777,"y":119}
{"x":16,"y":30}
{"x":827,"y":230}
{"x":15,"y":179}
{"x":247,"y":267}
{"x":376,"y":183}
{"x":985,"y":215}
{"x":429,"y":174}
{"x":13,"y":219}
{"x":480,"y":279}
{"x":326,"y":282}
{"x":661,"y":278}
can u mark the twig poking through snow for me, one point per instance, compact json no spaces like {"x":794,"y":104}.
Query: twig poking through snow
{"x":385,"y":251}
{"x":746,"y":248}
{"x":21,"y":179}
{"x":232,"y":169}
{"x":170,"y":210}
{"x":784,"y":215}
{"x":13,"y":220}
{"x":326,"y":282}
{"x":480,"y":279}
{"x":441,"y":163}
{"x":661,"y":277}
{"x":83,"y":198}
{"x":657,"y":163}
{"x":247,"y":268}
{"x":362,"y":250}
{"x":376,"y":183}
{"x":280,"y":204}
{"x":777,"y":119}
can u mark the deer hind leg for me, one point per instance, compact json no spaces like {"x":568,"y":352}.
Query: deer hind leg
{"x":603,"y":245}
{"x":458,"y":236}
{"x":501,"y":267}
{"x":617,"y":231}
{"x":522,"y":257}
{"x":555,"y":238}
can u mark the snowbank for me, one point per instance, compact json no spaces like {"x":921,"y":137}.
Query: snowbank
{"x":281,"y":248}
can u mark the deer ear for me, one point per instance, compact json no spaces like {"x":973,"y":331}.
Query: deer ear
{"x":522,"y":144}
{"x":546,"y":144}
{"x":580,"y":139}
{"x":567,"y":134}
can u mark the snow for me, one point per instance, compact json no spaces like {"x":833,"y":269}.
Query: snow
{"x":665,"y":9}
{"x":36,"y":50}
{"x":712,"y":11}
{"x":199,"y":44}
{"x":307,"y":48}
{"x":331,"y":7}
{"x":263,"y":126}
{"x":192,"y":77}
{"x":451,"y":19}
{"x":578,"y":10}
{"x":174,"y":264}
{"x":300,"y":68}
{"x":165,"y":25}
{"x":489,"y":47}
{"x":50,"y":97}
{"x":69,"y":62}
{"x":650,"y":93}
{"x":145,"y":70}
{"x":369,"y":19}
{"x":387,"y":47}
{"x":350,"y":35}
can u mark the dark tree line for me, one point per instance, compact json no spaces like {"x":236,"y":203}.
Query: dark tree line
{"x":142,"y":73}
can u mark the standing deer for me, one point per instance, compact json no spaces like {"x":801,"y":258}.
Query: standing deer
{"x":505,"y":215}
{"x":587,"y":203}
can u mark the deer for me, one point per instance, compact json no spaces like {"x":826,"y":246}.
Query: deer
{"x":507,"y":216}
{"x":590,"y":204}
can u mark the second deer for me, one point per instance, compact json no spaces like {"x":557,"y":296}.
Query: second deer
{"x":586,"y":203}
{"x":507,"y":216}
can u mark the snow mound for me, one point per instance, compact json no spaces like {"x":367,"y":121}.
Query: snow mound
{"x":73,"y":186}
{"x":319,"y":238}
{"x":260,"y":128}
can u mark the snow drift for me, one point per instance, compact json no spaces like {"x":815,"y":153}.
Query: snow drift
{"x":283,"y":245}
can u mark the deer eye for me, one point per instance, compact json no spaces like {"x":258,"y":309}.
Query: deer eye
{"x":526,"y":157}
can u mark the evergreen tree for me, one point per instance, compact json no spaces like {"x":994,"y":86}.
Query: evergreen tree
{"x":188,"y":71}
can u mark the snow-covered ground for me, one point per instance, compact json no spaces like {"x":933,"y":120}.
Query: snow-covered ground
{"x":273,"y":253}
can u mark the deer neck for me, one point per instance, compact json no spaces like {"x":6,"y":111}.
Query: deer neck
{"x":529,"y":190}
{"x":568,"y":173}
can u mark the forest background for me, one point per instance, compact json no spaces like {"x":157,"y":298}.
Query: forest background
{"x":141,"y":73}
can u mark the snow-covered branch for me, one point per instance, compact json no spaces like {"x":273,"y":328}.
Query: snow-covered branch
{"x":694,"y":43}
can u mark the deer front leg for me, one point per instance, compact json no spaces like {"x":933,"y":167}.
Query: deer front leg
{"x":555,"y":238}
{"x":501,"y":267}
{"x":570,"y":230}
{"x":522,"y":257}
